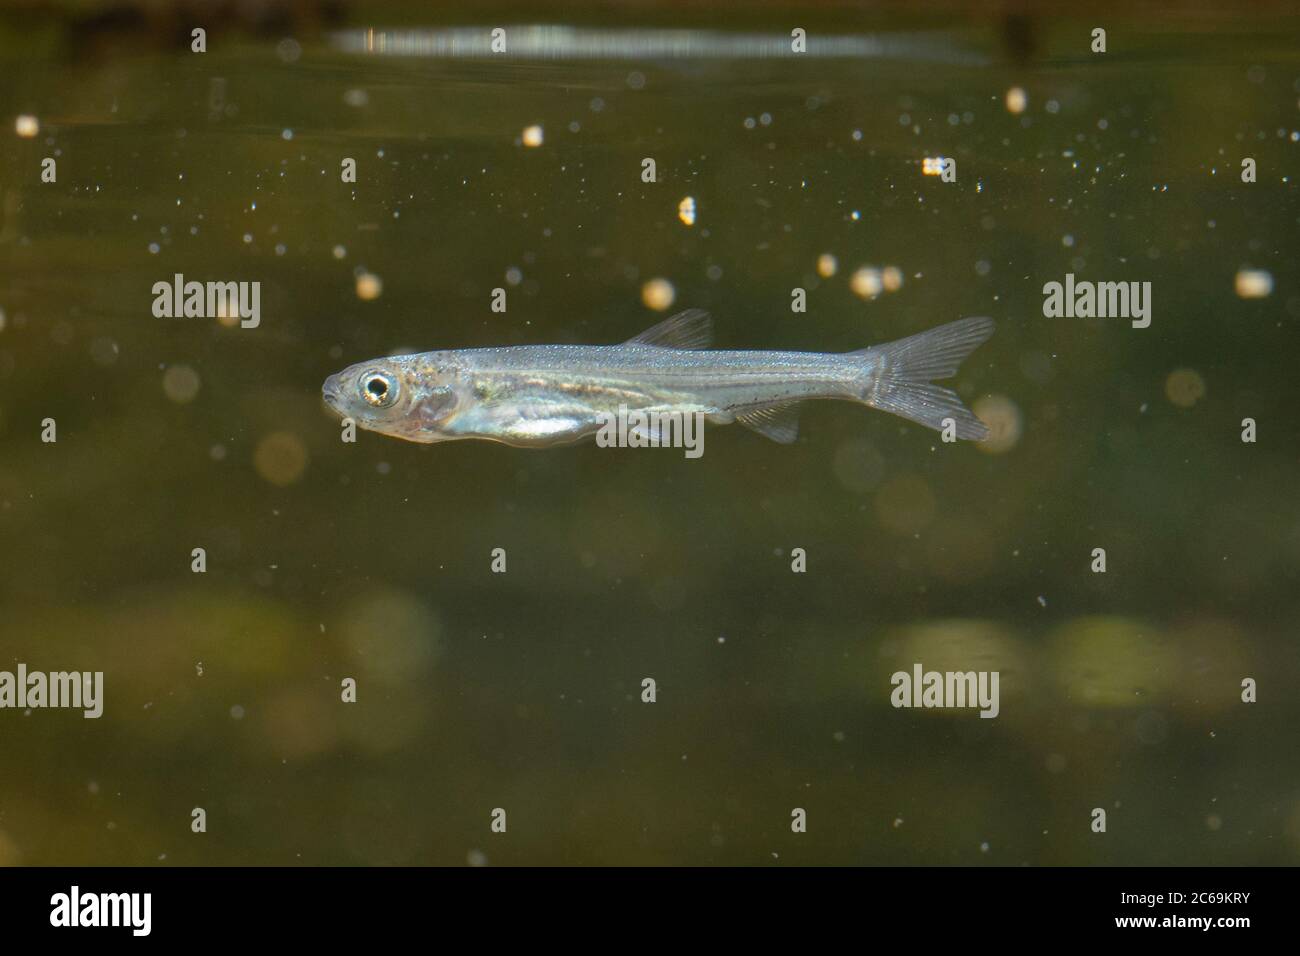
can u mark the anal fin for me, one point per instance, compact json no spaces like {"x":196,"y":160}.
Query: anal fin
{"x":778,"y":422}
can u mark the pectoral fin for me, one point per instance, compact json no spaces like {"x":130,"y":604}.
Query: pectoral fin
{"x":692,"y":329}
{"x":778,"y":422}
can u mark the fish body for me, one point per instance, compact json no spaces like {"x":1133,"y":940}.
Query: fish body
{"x":541,"y":395}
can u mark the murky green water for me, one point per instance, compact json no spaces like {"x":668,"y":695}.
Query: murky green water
{"x":523,"y":691}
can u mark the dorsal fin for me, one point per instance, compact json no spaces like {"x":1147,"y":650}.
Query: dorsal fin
{"x":692,"y":329}
{"x":778,"y":422}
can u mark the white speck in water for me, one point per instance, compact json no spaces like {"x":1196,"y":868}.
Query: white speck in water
{"x":237,"y":712}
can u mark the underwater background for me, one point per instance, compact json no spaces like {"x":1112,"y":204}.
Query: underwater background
{"x":523,"y":690}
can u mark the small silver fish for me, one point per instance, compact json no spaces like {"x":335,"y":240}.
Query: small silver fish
{"x":540,"y":395}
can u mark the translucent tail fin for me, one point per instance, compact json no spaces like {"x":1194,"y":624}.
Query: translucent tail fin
{"x":901,"y":379}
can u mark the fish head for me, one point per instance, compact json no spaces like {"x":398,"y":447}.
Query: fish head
{"x":405,"y":396}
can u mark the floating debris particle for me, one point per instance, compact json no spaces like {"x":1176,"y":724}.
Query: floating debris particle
{"x":827,"y":265}
{"x":658,"y":294}
{"x":1016,"y":100}
{"x":686,"y":211}
{"x":103,"y":351}
{"x":866,"y":283}
{"x":180,"y":384}
{"x":227,"y":311}
{"x":933,"y":165}
{"x":27,"y":126}
{"x":280,"y":458}
{"x":288,"y":50}
{"x":534,"y":136}
{"x":1003,"y":417}
{"x":892,"y":278}
{"x":1254,"y":283}
{"x":369,"y":286}
{"x":1184,"y":387}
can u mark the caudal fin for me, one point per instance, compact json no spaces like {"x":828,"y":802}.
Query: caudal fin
{"x":902,"y":376}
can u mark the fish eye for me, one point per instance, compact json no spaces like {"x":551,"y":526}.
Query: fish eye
{"x":379,"y":389}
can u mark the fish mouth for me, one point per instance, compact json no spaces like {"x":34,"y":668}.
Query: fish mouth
{"x":330,"y":392}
